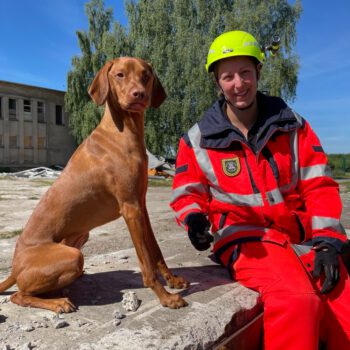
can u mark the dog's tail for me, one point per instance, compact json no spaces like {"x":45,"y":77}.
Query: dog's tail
{"x":9,"y":282}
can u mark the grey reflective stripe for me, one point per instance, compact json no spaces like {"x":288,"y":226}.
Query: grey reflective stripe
{"x":274,"y":197}
{"x":187,"y":189}
{"x":295,"y":161}
{"x":311,"y":172}
{"x":298,"y":117}
{"x":302,"y":249}
{"x":321,"y":222}
{"x":252,"y":200}
{"x":230,"y":230}
{"x":201,"y":154}
{"x":188,"y":207}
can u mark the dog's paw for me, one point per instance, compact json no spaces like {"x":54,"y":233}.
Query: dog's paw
{"x":63,"y":305}
{"x":177,"y":282}
{"x":174,"y":301}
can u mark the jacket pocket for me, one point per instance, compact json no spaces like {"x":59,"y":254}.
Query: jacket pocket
{"x":303,"y":221}
{"x":222,"y":220}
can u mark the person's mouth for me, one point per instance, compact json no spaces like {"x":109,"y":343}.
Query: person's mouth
{"x":241,"y":94}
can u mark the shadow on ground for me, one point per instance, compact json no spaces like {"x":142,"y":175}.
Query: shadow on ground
{"x":104,"y":288}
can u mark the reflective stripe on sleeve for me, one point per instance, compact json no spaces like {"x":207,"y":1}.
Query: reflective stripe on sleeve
{"x":252,"y":200}
{"x":311,"y":172}
{"x":322,"y":222}
{"x":230,"y":230}
{"x":188,"y":189}
{"x":186,"y":208}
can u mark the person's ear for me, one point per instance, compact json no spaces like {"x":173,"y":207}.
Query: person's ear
{"x":258,"y":70}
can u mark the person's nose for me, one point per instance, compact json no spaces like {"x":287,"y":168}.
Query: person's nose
{"x":237,"y":80}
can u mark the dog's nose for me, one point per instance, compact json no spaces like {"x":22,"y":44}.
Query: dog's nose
{"x":138,"y":94}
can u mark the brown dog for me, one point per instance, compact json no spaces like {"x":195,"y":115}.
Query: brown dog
{"x":105,"y":178}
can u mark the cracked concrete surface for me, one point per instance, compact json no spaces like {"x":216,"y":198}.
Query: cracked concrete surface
{"x":216,"y":304}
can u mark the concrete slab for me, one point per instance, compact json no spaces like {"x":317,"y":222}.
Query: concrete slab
{"x":217,"y":306}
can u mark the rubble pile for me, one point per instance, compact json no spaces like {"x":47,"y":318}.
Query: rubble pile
{"x":35,"y":173}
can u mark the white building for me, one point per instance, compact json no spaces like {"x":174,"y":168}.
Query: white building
{"x":33,"y":127}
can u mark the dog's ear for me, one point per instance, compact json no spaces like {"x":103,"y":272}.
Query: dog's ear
{"x":99,"y":88}
{"x":158,"y":92}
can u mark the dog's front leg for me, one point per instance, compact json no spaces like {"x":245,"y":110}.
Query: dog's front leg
{"x":171,"y":280}
{"x":135,"y":219}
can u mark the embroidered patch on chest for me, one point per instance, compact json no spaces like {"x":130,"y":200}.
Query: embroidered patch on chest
{"x":231,"y":166}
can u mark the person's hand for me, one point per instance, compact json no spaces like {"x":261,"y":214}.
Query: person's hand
{"x":198,"y":231}
{"x":326,"y":260}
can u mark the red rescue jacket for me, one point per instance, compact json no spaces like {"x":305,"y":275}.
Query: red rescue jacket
{"x":274,"y":186}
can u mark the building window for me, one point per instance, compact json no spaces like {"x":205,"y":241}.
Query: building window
{"x":1,"y":141}
{"x":41,"y":142}
{"x":0,"y":107}
{"x":13,"y":142}
{"x":41,"y":112}
{"x":28,"y":142}
{"x":27,"y":109}
{"x":27,"y":106}
{"x":59,"y":115}
{"x":12,"y":108}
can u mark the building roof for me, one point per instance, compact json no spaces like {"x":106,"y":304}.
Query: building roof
{"x":31,"y":86}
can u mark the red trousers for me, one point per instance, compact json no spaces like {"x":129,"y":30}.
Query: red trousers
{"x":296,"y":315}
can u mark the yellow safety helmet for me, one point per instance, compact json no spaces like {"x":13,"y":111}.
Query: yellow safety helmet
{"x":234,"y":43}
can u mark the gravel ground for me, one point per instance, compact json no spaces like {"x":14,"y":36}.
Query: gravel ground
{"x":111,"y":273}
{"x":108,"y":250}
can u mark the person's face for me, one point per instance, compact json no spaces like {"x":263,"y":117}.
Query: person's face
{"x":238,"y":78}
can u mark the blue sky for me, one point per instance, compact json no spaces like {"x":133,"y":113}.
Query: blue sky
{"x":38,"y":41}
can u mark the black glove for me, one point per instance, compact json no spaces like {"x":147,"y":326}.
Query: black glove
{"x":198,"y":231}
{"x":326,"y":259}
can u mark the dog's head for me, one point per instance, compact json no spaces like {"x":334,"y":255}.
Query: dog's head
{"x":130,"y":82}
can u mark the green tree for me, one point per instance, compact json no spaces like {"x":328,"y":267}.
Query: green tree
{"x":174,"y":36}
{"x":266,"y":19}
{"x":340,"y":164}
{"x":84,"y":115}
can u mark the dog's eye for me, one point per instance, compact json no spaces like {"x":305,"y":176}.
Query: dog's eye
{"x":120,"y":75}
{"x":145,"y":78}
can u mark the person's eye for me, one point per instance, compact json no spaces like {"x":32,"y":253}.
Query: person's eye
{"x":227,"y":77}
{"x":246,"y":72}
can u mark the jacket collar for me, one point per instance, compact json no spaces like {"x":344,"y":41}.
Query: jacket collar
{"x":274,"y":114}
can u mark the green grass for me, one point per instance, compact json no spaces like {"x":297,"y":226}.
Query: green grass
{"x":10,"y":234}
{"x":160,"y":182}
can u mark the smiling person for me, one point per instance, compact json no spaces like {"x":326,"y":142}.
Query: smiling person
{"x":253,"y":172}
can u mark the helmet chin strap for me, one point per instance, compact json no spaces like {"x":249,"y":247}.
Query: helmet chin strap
{"x":230,"y":103}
